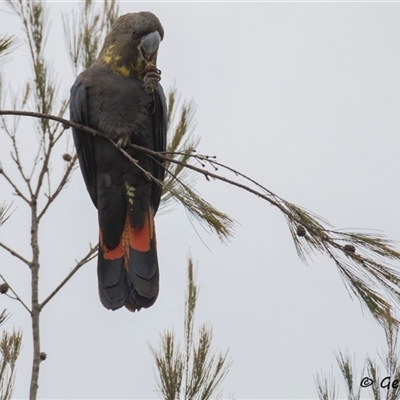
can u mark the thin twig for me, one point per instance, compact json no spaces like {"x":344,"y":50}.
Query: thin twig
{"x":89,"y":256}
{"x":15,"y":157}
{"x":15,"y":254}
{"x":60,"y":186}
{"x":45,"y":165}
{"x":9,"y":180}
{"x":156,"y":154}
{"x":17,"y":160}
{"x":133,"y":161}
{"x":51,"y":117}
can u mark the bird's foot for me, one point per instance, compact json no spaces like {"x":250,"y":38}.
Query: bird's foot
{"x":122,"y":142}
{"x":151,"y":79}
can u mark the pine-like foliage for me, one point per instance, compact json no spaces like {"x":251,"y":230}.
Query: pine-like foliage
{"x":10,"y":343}
{"x":193,"y":371}
{"x":10,"y":347}
{"x":7,"y":43}
{"x":178,"y":186}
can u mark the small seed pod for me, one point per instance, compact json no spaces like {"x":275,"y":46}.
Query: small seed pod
{"x":349,"y":248}
{"x":3,"y":288}
{"x":301,"y":231}
{"x":67,"y":157}
{"x":43,"y":356}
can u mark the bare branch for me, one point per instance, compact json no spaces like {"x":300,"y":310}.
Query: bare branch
{"x":60,"y":186}
{"x":17,"y":161}
{"x":158,"y":155}
{"x":147,"y":174}
{"x":45,"y":166}
{"x":15,"y":254}
{"x":12,"y":184}
{"x":92,"y":253}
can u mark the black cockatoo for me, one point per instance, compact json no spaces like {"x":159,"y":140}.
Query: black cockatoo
{"x":119,"y":95}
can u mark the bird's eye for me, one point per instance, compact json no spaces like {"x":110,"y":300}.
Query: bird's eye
{"x":133,"y":32}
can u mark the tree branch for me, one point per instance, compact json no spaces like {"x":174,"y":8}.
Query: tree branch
{"x":15,"y":254}
{"x":60,"y":186}
{"x":309,"y":232}
{"x":158,"y":155}
{"x":15,"y":157}
{"x":89,"y":256}
{"x":17,"y":191}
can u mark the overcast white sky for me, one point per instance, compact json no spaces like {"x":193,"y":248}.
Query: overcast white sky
{"x":304,"y":98}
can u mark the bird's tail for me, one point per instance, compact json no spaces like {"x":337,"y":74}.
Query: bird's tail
{"x":128,"y":274}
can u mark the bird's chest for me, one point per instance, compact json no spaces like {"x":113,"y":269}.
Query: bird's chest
{"x":123,"y":110}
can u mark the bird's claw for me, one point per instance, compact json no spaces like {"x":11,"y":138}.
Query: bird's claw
{"x":151,"y":79}
{"x":122,"y":142}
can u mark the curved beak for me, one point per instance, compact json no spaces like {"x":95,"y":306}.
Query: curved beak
{"x":149,"y":45}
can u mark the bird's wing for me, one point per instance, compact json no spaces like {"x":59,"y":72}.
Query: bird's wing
{"x":84,"y":141}
{"x":160,"y":141}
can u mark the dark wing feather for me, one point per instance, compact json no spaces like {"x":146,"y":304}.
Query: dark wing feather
{"x":160,"y":141}
{"x":79,"y":105}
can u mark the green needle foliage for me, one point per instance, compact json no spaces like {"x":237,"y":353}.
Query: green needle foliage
{"x":194,"y":371}
{"x":326,"y":387}
{"x":4,"y":213}
{"x":181,"y":140}
{"x":85,"y":32}
{"x":363,"y":259}
{"x":179,"y":180}
{"x":10,"y":343}
{"x":10,"y":347}
{"x":7,"y":43}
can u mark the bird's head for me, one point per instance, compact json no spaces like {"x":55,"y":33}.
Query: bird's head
{"x":131,"y":47}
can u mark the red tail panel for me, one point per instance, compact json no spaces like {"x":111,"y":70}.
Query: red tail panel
{"x":138,"y":239}
{"x":110,"y":254}
{"x":122,"y":250}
